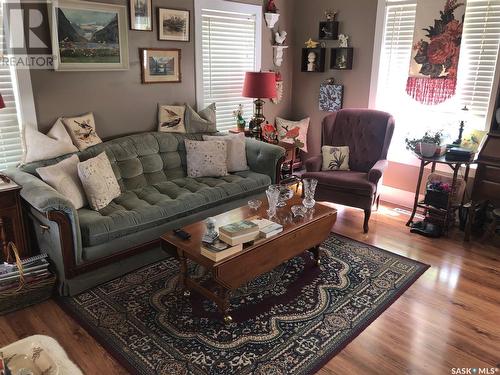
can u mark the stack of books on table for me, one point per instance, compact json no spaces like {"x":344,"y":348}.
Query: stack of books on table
{"x":34,"y":269}
{"x":233,"y":236}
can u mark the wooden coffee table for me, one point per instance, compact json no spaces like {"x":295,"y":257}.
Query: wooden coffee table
{"x":298,"y":236}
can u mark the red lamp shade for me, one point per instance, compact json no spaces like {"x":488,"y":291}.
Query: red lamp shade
{"x":260,"y":85}
{"x":2,"y":104}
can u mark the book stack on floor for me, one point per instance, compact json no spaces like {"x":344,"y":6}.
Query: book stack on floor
{"x":234,"y":235}
{"x":20,"y":288}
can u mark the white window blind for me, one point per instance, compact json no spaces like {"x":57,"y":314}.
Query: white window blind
{"x":476,"y":71}
{"x":228,"y":50}
{"x":10,"y":134}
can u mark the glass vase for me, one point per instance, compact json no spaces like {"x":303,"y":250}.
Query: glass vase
{"x":273,"y":195}
{"x":309,"y":186}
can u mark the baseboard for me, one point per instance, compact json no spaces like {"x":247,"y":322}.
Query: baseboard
{"x":397,"y":197}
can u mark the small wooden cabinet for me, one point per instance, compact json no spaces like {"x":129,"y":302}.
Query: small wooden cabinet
{"x":11,"y":220}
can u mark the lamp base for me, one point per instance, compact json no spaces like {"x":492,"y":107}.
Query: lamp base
{"x":258,"y":119}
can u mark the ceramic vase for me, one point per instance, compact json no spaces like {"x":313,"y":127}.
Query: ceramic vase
{"x":428,"y":150}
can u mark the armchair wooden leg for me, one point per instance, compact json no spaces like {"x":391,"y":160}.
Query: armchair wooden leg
{"x":368,"y":213}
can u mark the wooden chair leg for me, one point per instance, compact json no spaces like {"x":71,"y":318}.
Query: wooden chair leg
{"x":377,"y":203}
{"x":368,"y":213}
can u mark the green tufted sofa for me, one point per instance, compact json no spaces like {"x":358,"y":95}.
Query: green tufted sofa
{"x":89,"y":247}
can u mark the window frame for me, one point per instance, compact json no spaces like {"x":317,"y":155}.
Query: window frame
{"x":376,"y":70}
{"x":228,"y":6}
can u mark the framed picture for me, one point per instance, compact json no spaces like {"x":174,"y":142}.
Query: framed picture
{"x":141,"y":15}
{"x":173,"y":24}
{"x":89,"y":36}
{"x":159,"y":65}
{"x":330,"y":97}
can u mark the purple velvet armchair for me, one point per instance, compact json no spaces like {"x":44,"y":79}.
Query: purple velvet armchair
{"x":368,"y":134}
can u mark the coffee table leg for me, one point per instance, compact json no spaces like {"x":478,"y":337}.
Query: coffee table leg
{"x":317,"y":254}
{"x":184,"y":272}
{"x":224,"y":305}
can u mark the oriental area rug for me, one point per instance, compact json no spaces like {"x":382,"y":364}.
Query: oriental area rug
{"x":292,"y":320}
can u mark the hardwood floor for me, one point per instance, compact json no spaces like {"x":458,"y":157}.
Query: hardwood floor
{"x":449,"y":318}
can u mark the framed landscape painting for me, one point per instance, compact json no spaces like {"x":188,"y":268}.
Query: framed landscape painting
{"x":89,"y":36}
{"x":159,"y":65}
{"x":141,"y":18}
{"x":173,"y":24}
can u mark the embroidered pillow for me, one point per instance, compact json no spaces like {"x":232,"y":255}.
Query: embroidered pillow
{"x":171,"y":118}
{"x":99,"y":181}
{"x":201,"y":122}
{"x":63,"y":177}
{"x":236,"y":150}
{"x":38,"y":146}
{"x":293,"y":132}
{"x":82,"y":130}
{"x":335,"y":158}
{"x":206,"y":158}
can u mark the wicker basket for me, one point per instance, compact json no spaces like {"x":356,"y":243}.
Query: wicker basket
{"x":26,"y":294}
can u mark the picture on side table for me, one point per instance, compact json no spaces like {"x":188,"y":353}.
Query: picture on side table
{"x":173,"y":24}
{"x":89,"y":36}
{"x":160,"y":65}
{"x":141,"y":18}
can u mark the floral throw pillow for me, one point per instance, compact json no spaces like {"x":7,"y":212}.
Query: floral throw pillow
{"x":335,"y":158}
{"x":171,"y":118}
{"x":293,"y":132}
{"x":206,"y":158}
{"x":99,"y":181}
{"x":82,"y":130}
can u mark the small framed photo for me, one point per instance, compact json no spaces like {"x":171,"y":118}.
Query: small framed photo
{"x":160,"y":65}
{"x":141,"y":15}
{"x":173,"y":24}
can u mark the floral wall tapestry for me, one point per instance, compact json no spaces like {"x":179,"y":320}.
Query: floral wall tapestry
{"x":436,"y":50}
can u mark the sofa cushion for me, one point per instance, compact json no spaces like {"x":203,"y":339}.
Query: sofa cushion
{"x":136,"y":210}
{"x":354,"y":182}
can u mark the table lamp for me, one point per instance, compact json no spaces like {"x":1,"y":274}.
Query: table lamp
{"x":259,"y":85}
{"x":465,"y":116}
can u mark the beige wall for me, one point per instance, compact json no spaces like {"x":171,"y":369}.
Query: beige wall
{"x":357,"y":20}
{"x":121,"y":104}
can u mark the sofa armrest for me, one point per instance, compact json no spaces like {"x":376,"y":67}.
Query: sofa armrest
{"x":265,"y":158}
{"x":375,"y":174}
{"x":55,"y":207}
{"x":313,"y":164}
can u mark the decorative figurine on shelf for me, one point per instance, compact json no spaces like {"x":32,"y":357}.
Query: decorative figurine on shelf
{"x":280,"y":37}
{"x":211,"y":233}
{"x":238,"y":115}
{"x":311,"y":65}
{"x":344,"y":41}
{"x":271,"y":7}
{"x":341,"y":62}
{"x":311,"y":43}
{"x":330,"y":15}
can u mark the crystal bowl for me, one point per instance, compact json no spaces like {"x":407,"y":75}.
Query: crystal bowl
{"x":298,"y":210}
{"x":254,"y":204}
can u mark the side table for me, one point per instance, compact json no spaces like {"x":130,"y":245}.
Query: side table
{"x":11,"y":220}
{"x":455,"y":167}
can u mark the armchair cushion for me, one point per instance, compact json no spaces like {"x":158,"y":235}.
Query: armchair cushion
{"x":351,"y":181}
{"x":375,"y":174}
{"x":313,"y":164}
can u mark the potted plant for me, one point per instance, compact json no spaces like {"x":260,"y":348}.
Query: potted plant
{"x":427,"y":145}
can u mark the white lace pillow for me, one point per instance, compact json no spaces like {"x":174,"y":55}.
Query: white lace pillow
{"x":206,"y":158}
{"x":38,"y":146}
{"x":99,"y":181}
{"x":63,"y":177}
{"x":236,"y":151}
{"x":82,"y":130}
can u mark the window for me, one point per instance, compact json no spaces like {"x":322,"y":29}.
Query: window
{"x":10,"y":135}
{"x":228,"y":44}
{"x":476,"y":72}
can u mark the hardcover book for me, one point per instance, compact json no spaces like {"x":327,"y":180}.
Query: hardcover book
{"x":239,"y":228}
